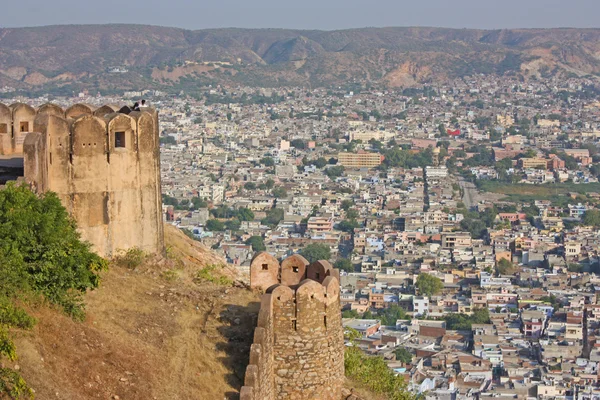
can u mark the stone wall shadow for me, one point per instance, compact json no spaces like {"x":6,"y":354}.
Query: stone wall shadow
{"x":238,"y":331}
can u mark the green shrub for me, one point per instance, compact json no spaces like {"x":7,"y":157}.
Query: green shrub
{"x":41,"y":256}
{"x":170,"y":275}
{"x":207,"y":274}
{"x":373,"y":373}
{"x":132,"y":258}
{"x":12,"y":384}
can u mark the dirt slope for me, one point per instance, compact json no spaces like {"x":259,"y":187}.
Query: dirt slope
{"x":150,"y":333}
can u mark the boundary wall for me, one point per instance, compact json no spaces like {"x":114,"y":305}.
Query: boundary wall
{"x":298,"y":349}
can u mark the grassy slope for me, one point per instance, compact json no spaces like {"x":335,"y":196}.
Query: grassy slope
{"x":148,"y":335}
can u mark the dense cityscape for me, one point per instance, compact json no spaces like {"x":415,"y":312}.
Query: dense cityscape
{"x":464,"y":216}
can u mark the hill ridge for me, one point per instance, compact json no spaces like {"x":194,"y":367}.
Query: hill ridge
{"x":78,"y":57}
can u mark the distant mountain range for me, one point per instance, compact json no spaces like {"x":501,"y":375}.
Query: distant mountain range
{"x":117,"y":57}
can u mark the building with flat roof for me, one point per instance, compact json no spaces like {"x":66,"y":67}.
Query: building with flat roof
{"x":360,"y":159}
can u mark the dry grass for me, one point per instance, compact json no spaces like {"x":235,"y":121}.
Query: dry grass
{"x":150,"y":333}
{"x":361,"y":392}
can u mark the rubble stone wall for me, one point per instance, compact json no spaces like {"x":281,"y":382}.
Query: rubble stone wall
{"x":265,"y":271}
{"x":298,"y":350}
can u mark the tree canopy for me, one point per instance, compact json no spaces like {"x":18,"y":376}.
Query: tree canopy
{"x":315,"y":252}
{"x":257,"y":243}
{"x":428,"y":285}
{"x":41,"y":253}
{"x":592,"y":218}
{"x":344,"y":264}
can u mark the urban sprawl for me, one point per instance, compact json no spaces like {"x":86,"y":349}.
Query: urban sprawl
{"x":464,"y":216}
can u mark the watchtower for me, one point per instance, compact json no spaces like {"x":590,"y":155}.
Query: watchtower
{"x":105,"y":168}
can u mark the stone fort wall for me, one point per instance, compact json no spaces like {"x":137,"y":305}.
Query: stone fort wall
{"x":298,"y":349}
{"x":265,"y":271}
{"x":105,"y":167}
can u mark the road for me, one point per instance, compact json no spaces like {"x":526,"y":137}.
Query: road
{"x":469,"y":193}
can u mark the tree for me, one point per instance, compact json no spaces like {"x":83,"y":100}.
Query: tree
{"x":320,"y":162}
{"x":349,"y":314}
{"x":269,"y":184}
{"x":245,"y":214}
{"x":352,"y":214}
{"x":41,"y":250}
{"x":392,"y":314}
{"x":315,"y":252}
{"x":428,"y":285}
{"x":250,"y":186}
{"x":169,"y":201}
{"x":403,"y":355}
{"x":197,"y":203}
{"x":233,"y":224}
{"x":335,"y":171}
{"x":41,"y":256}
{"x":591,"y":218}
{"x":463,"y":322}
{"x":442,"y":130}
{"x":344,"y":264}
{"x":222,"y":212}
{"x":167,"y":140}
{"x":214,"y":225}
{"x":298,"y":144}
{"x":274,"y":216}
{"x":376,"y":144}
{"x":267,"y":161}
{"x":346,"y":204}
{"x":348,"y":225}
{"x":505,"y":267}
{"x":279,"y":192}
{"x":257,"y":243}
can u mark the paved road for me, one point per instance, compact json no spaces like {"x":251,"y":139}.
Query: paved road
{"x":469,"y":193}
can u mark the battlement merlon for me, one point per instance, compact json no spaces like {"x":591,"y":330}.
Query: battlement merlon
{"x":18,"y":119}
{"x":307,"y":315}
{"x":266,"y":271}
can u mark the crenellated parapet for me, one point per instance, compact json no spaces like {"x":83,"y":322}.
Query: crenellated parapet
{"x":298,"y":349}
{"x":18,"y":119}
{"x":104,"y":166}
{"x":266,"y":271}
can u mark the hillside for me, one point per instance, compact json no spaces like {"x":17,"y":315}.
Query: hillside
{"x":153,"y":332}
{"x":74,"y":57}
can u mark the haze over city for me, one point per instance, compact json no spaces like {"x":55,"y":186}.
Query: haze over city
{"x":275,"y":200}
{"x":310,"y":14}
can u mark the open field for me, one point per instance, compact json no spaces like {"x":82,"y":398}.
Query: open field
{"x":526,"y":192}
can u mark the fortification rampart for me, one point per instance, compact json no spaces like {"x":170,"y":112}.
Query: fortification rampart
{"x":265,"y":271}
{"x":298,"y":349}
{"x":104,"y":166}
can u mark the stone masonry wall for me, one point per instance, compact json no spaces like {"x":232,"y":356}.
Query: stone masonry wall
{"x":265,"y":271}
{"x":104,"y":166}
{"x":298,"y":350}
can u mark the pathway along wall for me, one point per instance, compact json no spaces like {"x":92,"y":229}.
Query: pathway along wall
{"x":298,"y":349}
{"x":105,"y":168}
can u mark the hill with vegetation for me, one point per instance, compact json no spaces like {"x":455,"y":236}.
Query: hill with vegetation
{"x":108,"y":58}
{"x":74,"y":326}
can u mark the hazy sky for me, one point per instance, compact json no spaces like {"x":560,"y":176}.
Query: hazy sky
{"x":306,"y":14}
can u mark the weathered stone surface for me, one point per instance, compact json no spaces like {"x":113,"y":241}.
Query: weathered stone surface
{"x":301,"y":341}
{"x":105,"y":168}
{"x":265,"y":271}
